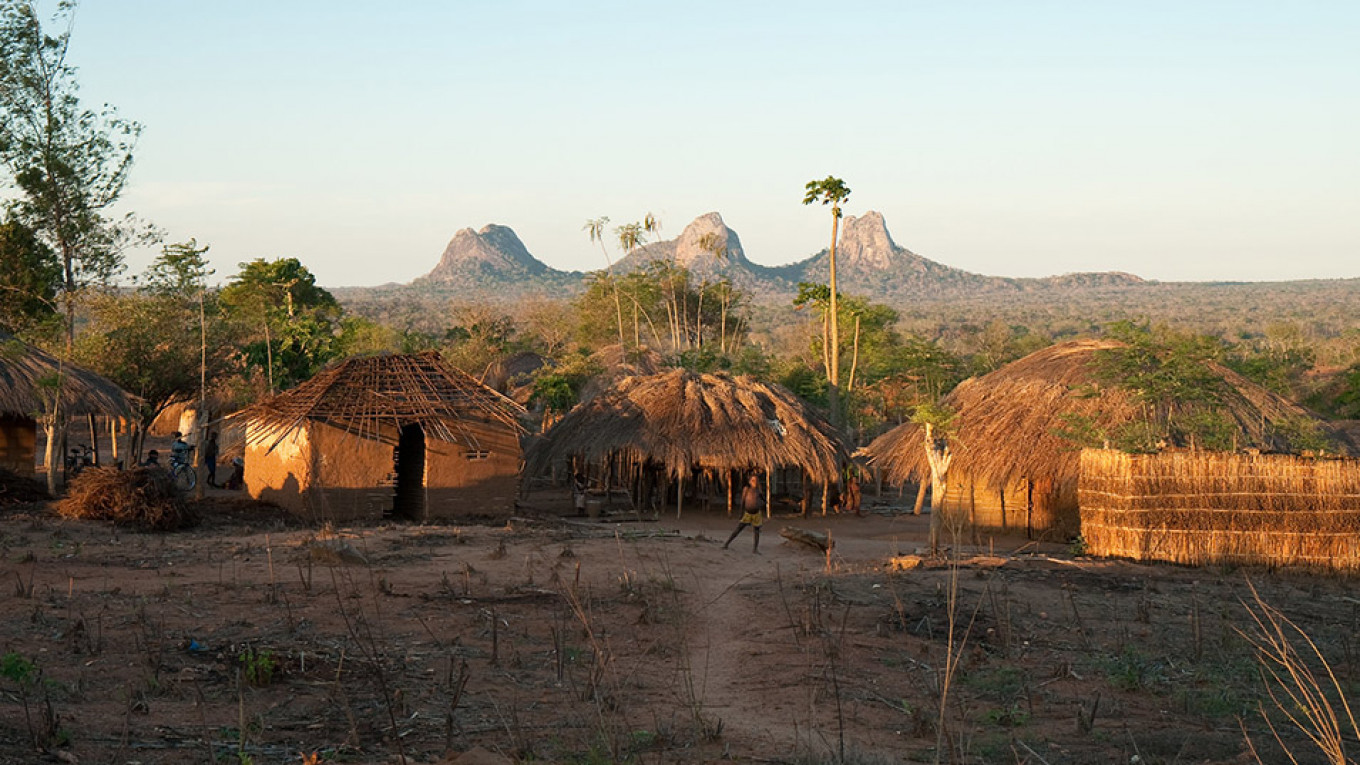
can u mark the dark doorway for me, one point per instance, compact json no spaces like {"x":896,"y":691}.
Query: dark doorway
{"x":409,"y":459}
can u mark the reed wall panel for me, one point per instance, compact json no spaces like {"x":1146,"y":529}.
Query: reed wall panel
{"x":1199,"y":508}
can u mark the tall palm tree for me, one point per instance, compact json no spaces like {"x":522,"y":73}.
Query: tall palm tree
{"x":595,"y":227}
{"x":831,"y":191}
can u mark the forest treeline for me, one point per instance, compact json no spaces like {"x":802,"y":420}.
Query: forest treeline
{"x":270,"y":326}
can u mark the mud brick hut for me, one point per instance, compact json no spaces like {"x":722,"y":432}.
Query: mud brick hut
{"x":403,"y":436}
{"x":1018,"y":433}
{"x":24,"y":397}
{"x":657,"y":435}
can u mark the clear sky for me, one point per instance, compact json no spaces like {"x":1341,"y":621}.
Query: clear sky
{"x":1176,"y":140}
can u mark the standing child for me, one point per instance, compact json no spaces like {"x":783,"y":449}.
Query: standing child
{"x":752,"y":505}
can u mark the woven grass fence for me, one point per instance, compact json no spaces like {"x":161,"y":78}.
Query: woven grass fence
{"x":1198,"y":508}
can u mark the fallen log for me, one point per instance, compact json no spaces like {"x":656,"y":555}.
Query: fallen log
{"x":813,"y":539}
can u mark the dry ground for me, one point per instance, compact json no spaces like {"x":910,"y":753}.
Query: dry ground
{"x":253,"y":639}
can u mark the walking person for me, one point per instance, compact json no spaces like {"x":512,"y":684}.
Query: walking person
{"x":752,"y":505}
{"x":210,"y":458}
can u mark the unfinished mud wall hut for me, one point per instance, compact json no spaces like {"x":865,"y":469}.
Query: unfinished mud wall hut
{"x":661,"y":435}
{"x":26,"y":394}
{"x":1016,"y":446}
{"x":1200,"y":508}
{"x":404,"y":436}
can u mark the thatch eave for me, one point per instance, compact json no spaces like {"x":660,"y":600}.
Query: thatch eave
{"x":23,"y":392}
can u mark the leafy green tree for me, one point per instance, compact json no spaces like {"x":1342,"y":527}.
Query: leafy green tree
{"x":1172,"y":373}
{"x":69,"y":163}
{"x":180,"y":270}
{"x":297,"y":320}
{"x":154,"y":346}
{"x":831,"y":191}
{"x":30,"y":276}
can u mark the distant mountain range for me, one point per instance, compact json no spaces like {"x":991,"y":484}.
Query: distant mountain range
{"x":493,"y":264}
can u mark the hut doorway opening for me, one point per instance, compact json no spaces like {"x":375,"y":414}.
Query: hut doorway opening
{"x":409,"y":465}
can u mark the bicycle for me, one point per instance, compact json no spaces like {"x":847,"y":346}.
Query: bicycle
{"x":182,"y":473}
{"x":81,"y":457}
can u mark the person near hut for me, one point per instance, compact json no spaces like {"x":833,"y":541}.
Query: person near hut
{"x":578,"y":493}
{"x":153,"y":459}
{"x":850,"y":497}
{"x":752,"y":507}
{"x":237,"y":480}
{"x":210,"y":452}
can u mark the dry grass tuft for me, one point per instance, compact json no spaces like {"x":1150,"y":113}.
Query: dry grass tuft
{"x":143,"y":497}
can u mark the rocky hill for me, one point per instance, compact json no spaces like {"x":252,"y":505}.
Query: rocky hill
{"x":493,"y":259}
{"x":493,"y":265}
{"x":869,"y":262}
{"x":711,"y":250}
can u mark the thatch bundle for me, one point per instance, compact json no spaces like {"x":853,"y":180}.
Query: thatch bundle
{"x":1010,"y":423}
{"x":144,"y":497}
{"x":1197,"y":508}
{"x":25,"y":370}
{"x":683,"y":420}
{"x":373,"y":396}
{"x":16,"y":489}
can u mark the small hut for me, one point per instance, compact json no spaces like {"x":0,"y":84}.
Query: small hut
{"x":25,"y":396}
{"x":513,"y":375}
{"x":405,"y":436}
{"x":1016,"y":463}
{"x":686,"y":427}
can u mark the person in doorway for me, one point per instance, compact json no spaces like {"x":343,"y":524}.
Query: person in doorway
{"x":210,"y":458}
{"x":752,"y":507}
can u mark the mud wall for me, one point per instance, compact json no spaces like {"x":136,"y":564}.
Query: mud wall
{"x":479,"y":477}
{"x":18,"y":442}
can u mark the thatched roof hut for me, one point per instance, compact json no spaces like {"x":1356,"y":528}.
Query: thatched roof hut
{"x":404,"y":435}
{"x":617,"y":362}
{"x":513,"y":375}
{"x":22,"y":393}
{"x":1015,"y":467}
{"x":24,"y":397}
{"x":681,"y":422}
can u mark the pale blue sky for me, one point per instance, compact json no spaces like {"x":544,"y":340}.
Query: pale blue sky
{"x":1175,"y":140}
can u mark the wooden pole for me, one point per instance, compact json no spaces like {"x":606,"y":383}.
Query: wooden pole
{"x":94,"y":437}
{"x":679,"y":495}
{"x":769,"y":506}
{"x":113,"y":439}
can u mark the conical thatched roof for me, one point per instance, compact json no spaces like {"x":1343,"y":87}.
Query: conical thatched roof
{"x":22,"y":370}
{"x":683,"y":420}
{"x":371,"y":395}
{"x":1008,"y":423}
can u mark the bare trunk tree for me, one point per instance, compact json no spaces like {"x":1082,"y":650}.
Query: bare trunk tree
{"x":939,"y":457}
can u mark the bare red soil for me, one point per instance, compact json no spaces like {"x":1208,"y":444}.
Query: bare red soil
{"x":250,"y":638}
